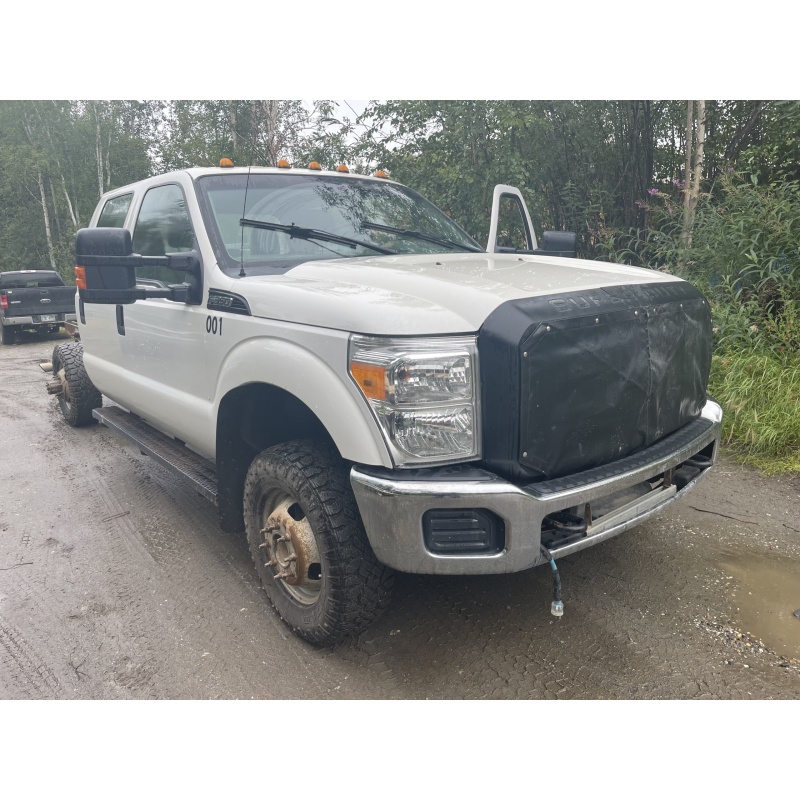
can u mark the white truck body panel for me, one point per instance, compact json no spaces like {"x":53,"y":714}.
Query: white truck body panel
{"x":419,"y":295}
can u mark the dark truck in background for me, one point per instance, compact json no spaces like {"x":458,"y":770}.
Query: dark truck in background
{"x":34,"y":299}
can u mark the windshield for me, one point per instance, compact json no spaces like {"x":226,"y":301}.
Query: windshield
{"x":362,"y":218}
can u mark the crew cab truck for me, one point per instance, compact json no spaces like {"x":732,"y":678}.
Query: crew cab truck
{"x":34,"y":299}
{"x":362,"y":388}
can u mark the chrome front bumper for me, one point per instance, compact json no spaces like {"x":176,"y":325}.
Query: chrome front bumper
{"x":392,"y":504}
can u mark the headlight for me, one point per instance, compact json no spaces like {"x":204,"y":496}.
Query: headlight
{"x":423,"y":393}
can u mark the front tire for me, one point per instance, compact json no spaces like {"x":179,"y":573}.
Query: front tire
{"x":309,"y":545}
{"x":79,"y":395}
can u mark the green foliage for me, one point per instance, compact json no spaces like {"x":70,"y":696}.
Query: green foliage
{"x":56,"y":158}
{"x":746,"y":242}
{"x":744,"y":255}
{"x":760,"y":393}
{"x":657,"y":244}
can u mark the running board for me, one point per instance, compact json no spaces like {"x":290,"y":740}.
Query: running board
{"x":199,"y":472}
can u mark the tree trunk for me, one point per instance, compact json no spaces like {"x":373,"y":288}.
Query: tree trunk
{"x":687,"y":174}
{"x":232,"y":124}
{"x":739,"y":140}
{"x":270,"y":110}
{"x":108,"y":162}
{"x":698,"y":155}
{"x":47,"y":223}
{"x":694,"y":174}
{"x":98,"y":151}
{"x":55,"y":208}
{"x":73,"y":215}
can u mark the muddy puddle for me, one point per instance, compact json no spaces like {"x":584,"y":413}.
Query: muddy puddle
{"x":765,"y":593}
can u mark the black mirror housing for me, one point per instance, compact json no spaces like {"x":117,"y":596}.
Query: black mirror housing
{"x":106,"y":269}
{"x":561,"y":243}
{"x":105,"y":256}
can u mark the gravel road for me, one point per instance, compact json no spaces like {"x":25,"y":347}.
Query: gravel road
{"x":116,"y":582}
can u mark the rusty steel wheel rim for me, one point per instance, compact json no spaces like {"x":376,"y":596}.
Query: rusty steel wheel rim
{"x":65,"y":387}
{"x":289,"y":550}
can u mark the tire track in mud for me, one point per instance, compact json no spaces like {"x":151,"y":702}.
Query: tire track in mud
{"x":24,"y":667}
{"x":109,"y":644}
{"x":209,"y":569}
{"x":160,"y":517}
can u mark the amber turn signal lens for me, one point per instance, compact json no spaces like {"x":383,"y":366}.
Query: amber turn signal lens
{"x":80,"y":277}
{"x":371,"y":380}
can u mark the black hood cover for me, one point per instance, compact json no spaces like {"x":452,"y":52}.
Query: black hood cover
{"x":573,"y":381}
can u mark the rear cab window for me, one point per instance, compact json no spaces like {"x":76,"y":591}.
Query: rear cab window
{"x":115,"y":211}
{"x":30,"y":281}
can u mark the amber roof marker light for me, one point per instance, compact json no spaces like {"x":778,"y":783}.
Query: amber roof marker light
{"x":380,"y":174}
{"x":284,"y":164}
{"x":225,"y":162}
{"x":314,"y":165}
{"x":342,"y":168}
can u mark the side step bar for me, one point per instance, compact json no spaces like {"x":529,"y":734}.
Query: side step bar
{"x":199,"y":472}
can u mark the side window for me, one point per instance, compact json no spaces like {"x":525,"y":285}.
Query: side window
{"x":114,"y":212}
{"x":163,"y":227}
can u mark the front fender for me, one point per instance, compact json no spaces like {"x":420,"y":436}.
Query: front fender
{"x":316,"y":373}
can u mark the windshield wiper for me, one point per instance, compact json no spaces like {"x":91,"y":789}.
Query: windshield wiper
{"x":426,"y":237}
{"x":296,"y":232}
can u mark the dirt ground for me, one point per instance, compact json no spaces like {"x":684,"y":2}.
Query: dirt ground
{"x":116,"y":582}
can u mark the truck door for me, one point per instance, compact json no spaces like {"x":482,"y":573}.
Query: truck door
{"x":161,"y":340}
{"x":510,"y":228}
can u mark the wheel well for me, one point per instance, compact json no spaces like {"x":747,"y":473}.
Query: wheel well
{"x":250,"y":419}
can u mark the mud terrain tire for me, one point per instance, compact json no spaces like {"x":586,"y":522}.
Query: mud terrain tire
{"x":337,"y":587}
{"x":80,"y":395}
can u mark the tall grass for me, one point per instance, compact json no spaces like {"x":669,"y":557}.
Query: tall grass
{"x":760,"y":394}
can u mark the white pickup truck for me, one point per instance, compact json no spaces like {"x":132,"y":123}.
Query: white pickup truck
{"x":363,"y":388}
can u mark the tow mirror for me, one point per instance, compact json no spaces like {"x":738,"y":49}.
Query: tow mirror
{"x":105,"y":267}
{"x":560,"y":243}
{"x":105,"y":270}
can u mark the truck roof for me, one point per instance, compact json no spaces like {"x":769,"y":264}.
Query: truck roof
{"x":200,"y":172}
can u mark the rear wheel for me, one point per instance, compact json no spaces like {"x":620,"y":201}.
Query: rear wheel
{"x":78,"y":396}
{"x":309,"y":545}
{"x":6,"y":335}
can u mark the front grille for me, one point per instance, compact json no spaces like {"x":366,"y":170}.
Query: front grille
{"x":594,"y":376}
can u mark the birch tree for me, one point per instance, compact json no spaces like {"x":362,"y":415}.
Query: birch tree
{"x":695,"y":146}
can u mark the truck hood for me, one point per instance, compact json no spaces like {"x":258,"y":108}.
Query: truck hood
{"x":422,"y":294}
